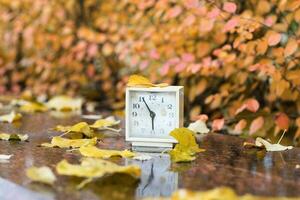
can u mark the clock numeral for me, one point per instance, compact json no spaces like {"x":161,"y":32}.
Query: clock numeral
{"x":134,"y":114}
{"x":152,"y":132}
{"x":162,"y":100}
{"x":170,"y":106}
{"x":169,"y":123}
{"x":136,"y":106}
{"x":162,"y":131}
{"x":141,"y":99}
{"x":152,"y":97}
{"x":172,"y":115}
{"x":135,"y":123}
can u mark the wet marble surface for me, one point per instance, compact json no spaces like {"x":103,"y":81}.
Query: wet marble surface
{"x":224,"y":163}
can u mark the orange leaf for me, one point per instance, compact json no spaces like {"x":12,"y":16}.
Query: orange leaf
{"x":240,"y":126}
{"x":218,"y":124}
{"x":291,"y":47}
{"x":282,"y":121}
{"x":274,"y":38}
{"x":262,"y":47}
{"x":256,"y":124}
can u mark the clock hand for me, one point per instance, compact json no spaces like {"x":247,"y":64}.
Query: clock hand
{"x":152,"y":114}
{"x":146,"y":104}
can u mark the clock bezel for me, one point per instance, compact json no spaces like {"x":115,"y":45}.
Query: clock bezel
{"x":146,"y":141}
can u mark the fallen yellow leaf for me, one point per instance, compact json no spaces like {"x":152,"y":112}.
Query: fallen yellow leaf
{"x":64,"y":103}
{"x":6,"y":136}
{"x":95,"y":168}
{"x":81,"y":127}
{"x":186,"y":148}
{"x":32,"y":107}
{"x":69,"y":143}
{"x":41,"y":174}
{"x":141,"y":81}
{"x":221,"y":193}
{"x":104,"y":123}
{"x":11,"y":117}
{"x":92,"y":151}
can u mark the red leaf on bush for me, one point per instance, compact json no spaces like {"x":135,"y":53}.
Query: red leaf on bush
{"x":240,"y":126}
{"x":256,"y":124}
{"x":218,"y":124}
{"x":188,"y":57}
{"x":189,"y":20}
{"x":180,"y":67}
{"x":251,"y":105}
{"x":174,"y":12}
{"x":191,"y":3}
{"x":274,"y":38}
{"x":229,"y":7}
{"x":231,"y":24}
{"x":165,"y":69}
{"x":282,"y":121}
{"x":214,"y":13}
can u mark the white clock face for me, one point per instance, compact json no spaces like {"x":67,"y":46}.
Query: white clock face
{"x":152,"y":114}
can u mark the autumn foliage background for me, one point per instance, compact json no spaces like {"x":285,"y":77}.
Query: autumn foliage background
{"x":238,"y":60}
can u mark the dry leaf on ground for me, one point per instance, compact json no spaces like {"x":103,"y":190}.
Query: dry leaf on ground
{"x":141,"y":81}
{"x":186,"y":148}
{"x":11,"y":117}
{"x":198,"y":126}
{"x":69,"y":143}
{"x":261,"y":143}
{"x":64,"y":103}
{"x":7,"y":136}
{"x":269,"y":146}
{"x":41,"y":174}
{"x":95,"y":168}
{"x":32,"y":107}
{"x":81,"y":128}
{"x":5,"y":158}
{"x":92,"y":151}
{"x":104,"y":123}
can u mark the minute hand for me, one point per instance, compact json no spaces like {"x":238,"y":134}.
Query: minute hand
{"x":152,"y":114}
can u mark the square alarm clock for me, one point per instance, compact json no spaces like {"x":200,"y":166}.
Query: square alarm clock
{"x":151,"y":114}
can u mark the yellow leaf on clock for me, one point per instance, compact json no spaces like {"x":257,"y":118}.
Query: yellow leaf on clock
{"x":95,"y":168}
{"x":92,"y":151}
{"x":70,"y":143}
{"x":186,"y":148}
{"x":141,"y":81}
{"x":6,"y":136}
{"x":11,"y":117}
{"x":41,"y":174}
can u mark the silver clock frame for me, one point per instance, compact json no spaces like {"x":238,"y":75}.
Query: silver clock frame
{"x":155,"y":142}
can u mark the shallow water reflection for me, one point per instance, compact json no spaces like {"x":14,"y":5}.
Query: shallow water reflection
{"x":157,"y":179}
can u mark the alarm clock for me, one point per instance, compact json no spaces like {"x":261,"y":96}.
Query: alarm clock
{"x":151,"y":114}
